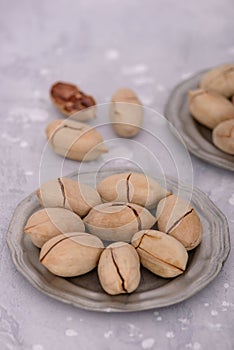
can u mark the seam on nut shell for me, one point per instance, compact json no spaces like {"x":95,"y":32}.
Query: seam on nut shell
{"x":168,"y":194}
{"x":229,"y":134}
{"x":72,"y":127}
{"x":28,"y":228}
{"x":62,"y":190}
{"x":118,"y":272}
{"x":54,"y":133}
{"x":62,"y":127}
{"x":137,"y":217}
{"x":117,"y":204}
{"x":108,"y":205}
{"x":141,"y":239}
{"x":54,"y":245}
{"x":192,"y":94}
{"x":176,"y":267}
{"x":178,"y":221}
{"x":128,"y":189}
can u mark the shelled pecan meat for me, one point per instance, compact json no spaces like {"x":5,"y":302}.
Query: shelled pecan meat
{"x":69,"y":99}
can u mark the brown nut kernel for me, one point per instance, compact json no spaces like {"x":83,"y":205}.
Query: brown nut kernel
{"x":219,"y":79}
{"x":69,"y":100}
{"x":50,"y":222}
{"x":68,"y":194}
{"x":223,"y":136}
{"x":126,"y":113}
{"x":179,"y":219}
{"x":75,"y":140}
{"x":119,"y":269}
{"x":133,"y":188}
{"x":209,"y":108}
{"x":160,"y":253}
{"x":118,"y":221}
{"x":71,"y":254}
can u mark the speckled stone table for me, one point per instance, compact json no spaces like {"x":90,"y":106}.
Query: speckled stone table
{"x":102,"y":45}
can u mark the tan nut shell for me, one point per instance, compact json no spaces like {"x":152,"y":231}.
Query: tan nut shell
{"x":179,"y":219}
{"x":119,"y":269}
{"x":71,"y":254}
{"x":160,"y":253}
{"x":69,"y":194}
{"x":50,"y":222}
{"x":133,"y":188}
{"x":75,"y":140}
{"x":219,"y":79}
{"x":223,"y":136}
{"x":209,"y":108}
{"x":126,"y":113}
{"x":118,"y":221}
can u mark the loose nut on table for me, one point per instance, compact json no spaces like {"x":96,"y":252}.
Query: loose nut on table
{"x":70,"y":100}
{"x":209,"y":108}
{"x":133,"y":188}
{"x":68,"y":194}
{"x":118,"y":221}
{"x":179,"y":219}
{"x":219,"y":79}
{"x":223,"y":136}
{"x":119,"y":268}
{"x":160,"y":253}
{"x":50,"y":222}
{"x":75,"y":140}
{"x":71,"y":254}
{"x":126,"y":113}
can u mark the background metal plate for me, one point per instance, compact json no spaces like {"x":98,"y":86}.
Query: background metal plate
{"x":196,"y":136}
{"x":204,"y":264}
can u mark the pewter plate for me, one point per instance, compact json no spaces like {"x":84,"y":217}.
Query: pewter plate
{"x":204,"y":264}
{"x":197,"y":137}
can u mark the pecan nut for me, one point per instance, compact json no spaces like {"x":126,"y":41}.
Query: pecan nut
{"x":69,"y":99}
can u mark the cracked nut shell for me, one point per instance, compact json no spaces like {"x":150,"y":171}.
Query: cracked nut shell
{"x":223,"y":136}
{"x":71,"y":254}
{"x":179,"y":219}
{"x":219,"y":79}
{"x":126,"y":113}
{"x":133,"y":188}
{"x":50,"y":222}
{"x":118,"y":221}
{"x":160,"y":253}
{"x":70,"y":100}
{"x":209,"y":108}
{"x":75,"y":140}
{"x":119,"y":269}
{"x":68,"y":194}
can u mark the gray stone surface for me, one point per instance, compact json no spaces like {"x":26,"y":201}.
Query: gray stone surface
{"x":102,"y":45}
